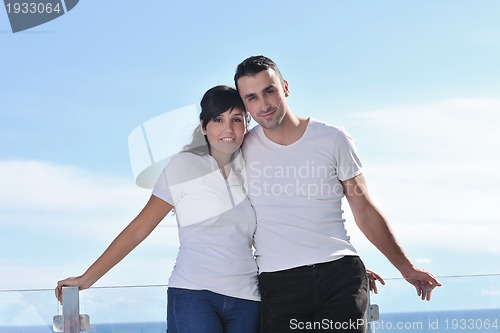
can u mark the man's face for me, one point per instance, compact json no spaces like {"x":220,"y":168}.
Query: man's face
{"x":264,"y":95}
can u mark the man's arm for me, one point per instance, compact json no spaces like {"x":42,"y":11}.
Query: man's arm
{"x":376,"y":228}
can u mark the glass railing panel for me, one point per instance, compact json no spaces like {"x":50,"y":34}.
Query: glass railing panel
{"x":463,"y":304}
{"x":27,"y":311}
{"x":138,"y":309}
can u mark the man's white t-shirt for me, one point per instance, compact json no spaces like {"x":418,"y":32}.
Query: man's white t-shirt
{"x":296,"y":192}
{"x":216,"y":223}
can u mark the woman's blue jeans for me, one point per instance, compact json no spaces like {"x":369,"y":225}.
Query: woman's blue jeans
{"x":203,"y":311}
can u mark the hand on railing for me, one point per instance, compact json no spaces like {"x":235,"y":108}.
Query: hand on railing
{"x":77,"y":281}
{"x":423,"y":281}
{"x":372,"y":280}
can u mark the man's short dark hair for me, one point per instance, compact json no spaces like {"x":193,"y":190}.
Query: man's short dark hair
{"x":254,"y":65}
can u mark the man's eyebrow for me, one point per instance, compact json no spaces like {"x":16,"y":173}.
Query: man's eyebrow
{"x":250,"y":95}
{"x":267,"y":89}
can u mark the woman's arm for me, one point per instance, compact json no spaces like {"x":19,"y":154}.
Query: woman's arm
{"x":140,"y":227}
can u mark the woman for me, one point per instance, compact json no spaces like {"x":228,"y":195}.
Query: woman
{"x":213,"y":286}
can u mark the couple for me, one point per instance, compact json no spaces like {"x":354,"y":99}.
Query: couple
{"x":282,"y":193}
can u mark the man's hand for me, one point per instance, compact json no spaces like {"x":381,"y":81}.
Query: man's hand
{"x":372,"y":280}
{"x":423,"y":281}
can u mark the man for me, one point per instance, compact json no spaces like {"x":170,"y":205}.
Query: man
{"x":298,"y":171}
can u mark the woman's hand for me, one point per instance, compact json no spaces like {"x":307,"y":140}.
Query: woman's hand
{"x":78,"y":281}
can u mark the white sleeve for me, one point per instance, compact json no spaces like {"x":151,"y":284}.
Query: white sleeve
{"x":348,"y":162}
{"x":168,"y":178}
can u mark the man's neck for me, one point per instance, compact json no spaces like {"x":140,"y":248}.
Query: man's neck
{"x":288,"y":131}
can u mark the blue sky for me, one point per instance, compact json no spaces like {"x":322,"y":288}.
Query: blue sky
{"x":417,"y":83}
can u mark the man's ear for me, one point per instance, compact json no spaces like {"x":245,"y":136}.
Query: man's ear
{"x":285,"y":88}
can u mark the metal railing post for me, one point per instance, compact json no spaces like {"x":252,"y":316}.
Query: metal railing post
{"x":71,"y":321}
{"x":372,"y":314}
{"x":71,"y":310}
{"x":369,"y":328}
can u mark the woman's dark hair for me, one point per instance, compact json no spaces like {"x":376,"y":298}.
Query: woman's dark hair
{"x":254,"y":65}
{"x":218,"y":100}
{"x":215,"y":101}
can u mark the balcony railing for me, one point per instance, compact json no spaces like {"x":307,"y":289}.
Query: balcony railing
{"x":469,"y":303}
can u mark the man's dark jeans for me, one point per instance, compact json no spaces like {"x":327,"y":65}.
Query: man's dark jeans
{"x":326,"y":297}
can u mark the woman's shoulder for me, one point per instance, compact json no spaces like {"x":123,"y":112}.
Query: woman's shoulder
{"x":186,"y":165}
{"x":186,"y":158}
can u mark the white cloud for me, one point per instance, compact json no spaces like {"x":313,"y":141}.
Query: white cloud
{"x":67,"y":197}
{"x":490,"y":293}
{"x":56,"y":220}
{"x":423,"y":261}
{"x":464,"y":128}
{"x":44,"y":186}
{"x":433,"y":170}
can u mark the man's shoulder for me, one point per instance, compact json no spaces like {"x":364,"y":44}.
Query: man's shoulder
{"x":321,"y":127}
{"x":252,"y":135}
{"x":254,"y":131}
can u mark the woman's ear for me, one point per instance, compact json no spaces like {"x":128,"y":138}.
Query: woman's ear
{"x":201,"y":128}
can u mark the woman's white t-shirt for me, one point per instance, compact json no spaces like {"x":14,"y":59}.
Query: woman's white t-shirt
{"x":216,"y":223}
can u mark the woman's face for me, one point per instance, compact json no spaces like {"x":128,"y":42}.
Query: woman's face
{"x":225,"y":133}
